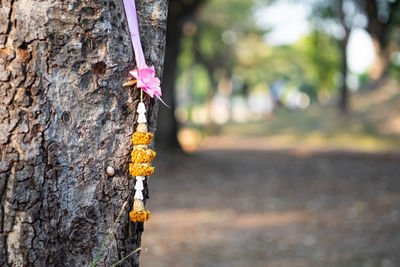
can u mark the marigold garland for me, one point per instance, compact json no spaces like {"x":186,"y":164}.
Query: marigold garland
{"x":139,"y":216}
{"x":141,"y":156}
{"x":146,"y":81}
{"x":140,"y":169}
{"x":139,"y":138}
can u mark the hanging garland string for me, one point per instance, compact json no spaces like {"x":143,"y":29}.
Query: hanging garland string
{"x":141,"y":156}
{"x":145,"y":79}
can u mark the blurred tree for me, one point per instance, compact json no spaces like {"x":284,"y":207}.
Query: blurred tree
{"x":346,"y":24}
{"x":383,"y":17}
{"x":383,"y":21}
{"x":180,"y":12}
{"x":342,"y":13}
{"x":322,"y":61}
{"x":64,"y":117}
{"x":223,"y":41}
{"x":211,"y":41}
{"x":212,"y":37}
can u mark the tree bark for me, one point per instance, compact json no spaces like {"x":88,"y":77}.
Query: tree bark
{"x":64,"y":117}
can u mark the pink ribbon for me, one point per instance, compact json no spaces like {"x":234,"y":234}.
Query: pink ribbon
{"x":145,"y":76}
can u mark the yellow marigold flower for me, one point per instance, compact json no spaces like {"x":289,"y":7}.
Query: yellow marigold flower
{"x":142,"y":154}
{"x":139,"y":138}
{"x":140,"y":169}
{"x":139,"y":216}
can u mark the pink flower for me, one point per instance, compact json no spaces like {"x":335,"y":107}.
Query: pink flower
{"x":147,"y":81}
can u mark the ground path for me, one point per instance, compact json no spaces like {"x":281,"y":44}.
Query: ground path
{"x":238,"y":206}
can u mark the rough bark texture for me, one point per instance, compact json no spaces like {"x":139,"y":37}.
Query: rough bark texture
{"x":64,"y":118}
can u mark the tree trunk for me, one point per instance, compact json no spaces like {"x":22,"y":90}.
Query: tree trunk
{"x":64,"y":118}
{"x":179,"y":12}
{"x":168,"y":125}
{"x":381,"y":63}
{"x":344,"y":90}
{"x":380,"y":31}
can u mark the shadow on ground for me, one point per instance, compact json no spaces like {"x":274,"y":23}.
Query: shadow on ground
{"x":274,"y":208}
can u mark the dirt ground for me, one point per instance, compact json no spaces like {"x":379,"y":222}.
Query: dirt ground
{"x":238,"y":207}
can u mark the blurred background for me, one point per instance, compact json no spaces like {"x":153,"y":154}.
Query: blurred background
{"x":282,"y":147}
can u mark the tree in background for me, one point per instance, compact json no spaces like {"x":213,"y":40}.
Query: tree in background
{"x":342,"y":13}
{"x":320,"y":61}
{"x":211,"y":45}
{"x":64,"y":117}
{"x":211,"y":42}
{"x":197,"y":26}
{"x":383,"y":25}
{"x":180,"y":12}
{"x":346,"y":24}
{"x":227,"y":43}
{"x":222,"y":42}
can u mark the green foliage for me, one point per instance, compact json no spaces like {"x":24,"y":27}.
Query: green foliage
{"x":223,"y":41}
{"x":395,"y":71}
{"x":321,"y":56}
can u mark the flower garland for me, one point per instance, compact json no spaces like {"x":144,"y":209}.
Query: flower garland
{"x":141,"y":157}
{"x":145,"y":79}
